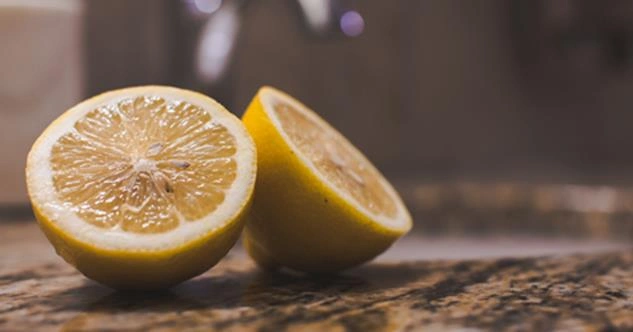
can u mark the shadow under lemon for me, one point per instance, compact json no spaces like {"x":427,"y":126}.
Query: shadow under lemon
{"x":241,"y":294}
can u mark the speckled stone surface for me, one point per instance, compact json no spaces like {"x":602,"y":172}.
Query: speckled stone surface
{"x":38,"y":291}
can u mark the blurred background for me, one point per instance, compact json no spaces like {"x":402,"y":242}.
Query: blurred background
{"x":511,"y":115}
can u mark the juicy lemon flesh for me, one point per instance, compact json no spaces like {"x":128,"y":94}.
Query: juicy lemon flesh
{"x":320,"y":206}
{"x":336,"y":160}
{"x":144,"y":165}
{"x":143,"y":188}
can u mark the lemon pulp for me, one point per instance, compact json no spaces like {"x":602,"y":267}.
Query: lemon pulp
{"x":320,"y":206}
{"x":333,"y":157}
{"x":142,"y":188}
{"x":144,"y":165}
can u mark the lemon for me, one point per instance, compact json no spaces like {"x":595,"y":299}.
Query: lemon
{"x":320,"y":206}
{"x":142,"y":188}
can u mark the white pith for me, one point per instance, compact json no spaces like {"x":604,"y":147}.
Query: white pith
{"x":44,"y":197}
{"x":400,"y":222}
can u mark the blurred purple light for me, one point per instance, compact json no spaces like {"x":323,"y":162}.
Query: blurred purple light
{"x":352,"y":24}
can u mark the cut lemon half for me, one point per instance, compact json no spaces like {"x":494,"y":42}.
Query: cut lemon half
{"x":142,"y":187}
{"x":320,"y":205}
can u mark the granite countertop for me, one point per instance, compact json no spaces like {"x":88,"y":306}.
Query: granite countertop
{"x":594,"y":290}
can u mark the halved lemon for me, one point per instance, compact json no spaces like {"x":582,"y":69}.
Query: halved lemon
{"x":144,"y":187}
{"x":320,"y":205}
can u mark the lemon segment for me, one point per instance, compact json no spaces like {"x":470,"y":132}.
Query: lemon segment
{"x":320,"y":205}
{"x":142,"y":187}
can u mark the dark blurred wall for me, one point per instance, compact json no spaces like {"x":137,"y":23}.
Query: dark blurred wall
{"x":429,"y":84}
{"x":128,"y":43}
{"x":446,"y":88}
